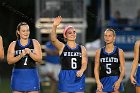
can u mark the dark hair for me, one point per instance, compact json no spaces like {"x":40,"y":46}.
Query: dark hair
{"x":18,"y":28}
{"x":112,"y":30}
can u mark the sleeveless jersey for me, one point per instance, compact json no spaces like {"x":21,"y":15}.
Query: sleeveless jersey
{"x":138,"y":72}
{"x":109,"y":63}
{"x":70,"y":59}
{"x":25,"y":62}
{"x":139,"y":55}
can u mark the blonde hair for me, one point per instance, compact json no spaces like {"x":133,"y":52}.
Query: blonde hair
{"x":112,"y":30}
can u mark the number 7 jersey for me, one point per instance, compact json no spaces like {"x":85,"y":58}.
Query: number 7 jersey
{"x":26,"y":61}
{"x":109,"y":63}
{"x":71,"y":58}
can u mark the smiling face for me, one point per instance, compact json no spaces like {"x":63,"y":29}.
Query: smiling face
{"x":109,"y":36}
{"x":24,"y":32}
{"x":71,"y":34}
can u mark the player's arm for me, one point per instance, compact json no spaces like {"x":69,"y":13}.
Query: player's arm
{"x":96,"y":70}
{"x":135,"y":61}
{"x":122,"y":65}
{"x":84,"y":59}
{"x":122,"y":68}
{"x":1,"y":49}
{"x":84,"y":62}
{"x":96,"y":66}
{"x":36,"y":55}
{"x":59,"y":45}
{"x":11,"y":58}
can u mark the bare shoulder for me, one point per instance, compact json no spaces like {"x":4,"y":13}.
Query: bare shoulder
{"x":137,"y":42}
{"x":35,"y":41}
{"x":0,"y":38}
{"x":98,"y":51}
{"x":12,"y":44}
{"x":83,"y":48}
{"x":121,"y":51}
{"x":97,"y":55}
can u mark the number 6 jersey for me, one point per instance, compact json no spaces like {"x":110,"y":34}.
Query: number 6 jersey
{"x":70,"y":59}
{"x":109,"y":63}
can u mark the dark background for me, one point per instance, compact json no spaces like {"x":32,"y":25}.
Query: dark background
{"x":12,"y":12}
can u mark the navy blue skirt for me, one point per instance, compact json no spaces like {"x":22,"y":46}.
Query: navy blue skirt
{"x":69,"y":82}
{"x":138,"y":76}
{"x":108,"y":84}
{"x":25,"y":80}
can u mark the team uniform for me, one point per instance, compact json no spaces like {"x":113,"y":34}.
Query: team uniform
{"x":71,"y":61}
{"x":52,"y":62}
{"x":109,"y":69}
{"x":24,"y":75}
{"x":138,"y":74}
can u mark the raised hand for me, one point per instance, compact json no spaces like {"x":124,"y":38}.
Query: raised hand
{"x":57,"y":21}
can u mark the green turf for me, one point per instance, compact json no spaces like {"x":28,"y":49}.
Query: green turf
{"x":5,"y":87}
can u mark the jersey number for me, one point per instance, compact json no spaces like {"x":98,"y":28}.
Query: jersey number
{"x":108,"y":71}
{"x":73,"y":63}
{"x":26,"y":58}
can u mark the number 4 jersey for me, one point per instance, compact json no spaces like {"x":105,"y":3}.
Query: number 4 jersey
{"x":109,"y":63}
{"x":71,"y":58}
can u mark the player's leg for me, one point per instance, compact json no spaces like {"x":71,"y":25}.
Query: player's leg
{"x":17,"y":92}
{"x":53,"y":77}
{"x":47,"y":71}
{"x":115,"y":92}
{"x":33,"y":92}
{"x":50,"y":70}
{"x":101,"y":92}
{"x":53,"y":85}
{"x":137,"y":89}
